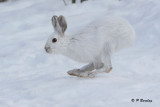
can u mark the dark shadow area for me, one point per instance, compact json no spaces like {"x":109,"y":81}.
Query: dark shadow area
{"x":74,"y":1}
{"x":2,"y":1}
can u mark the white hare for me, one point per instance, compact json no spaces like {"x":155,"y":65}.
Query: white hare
{"x":94,"y":44}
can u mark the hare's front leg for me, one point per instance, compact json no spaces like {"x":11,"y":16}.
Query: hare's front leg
{"x":106,"y":56}
{"x":83,"y":72}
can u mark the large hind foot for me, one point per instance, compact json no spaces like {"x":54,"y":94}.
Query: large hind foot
{"x":79,"y":73}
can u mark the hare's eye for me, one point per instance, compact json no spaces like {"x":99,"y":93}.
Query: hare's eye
{"x":54,"y":40}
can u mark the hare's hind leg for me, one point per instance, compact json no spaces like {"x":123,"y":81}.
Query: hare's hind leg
{"x":106,"y":57}
{"x":85,"y":71}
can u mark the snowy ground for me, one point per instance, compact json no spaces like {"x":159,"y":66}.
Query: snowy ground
{"x":31,"y":78}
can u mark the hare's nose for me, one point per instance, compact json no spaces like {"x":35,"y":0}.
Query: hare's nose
{"x":47,"y":48}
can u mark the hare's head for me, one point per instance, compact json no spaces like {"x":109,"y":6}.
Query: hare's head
{"x":56,"y":43}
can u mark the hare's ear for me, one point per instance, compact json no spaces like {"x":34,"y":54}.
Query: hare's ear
{"x":62,"y":23}
{"x":54,"y":21}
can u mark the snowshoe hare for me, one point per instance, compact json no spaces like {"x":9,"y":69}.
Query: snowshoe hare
{"x":94,"y":44}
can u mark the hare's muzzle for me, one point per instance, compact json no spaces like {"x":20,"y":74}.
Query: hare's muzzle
{"x":48,"y":49}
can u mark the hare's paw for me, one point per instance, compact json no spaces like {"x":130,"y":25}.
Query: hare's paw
{"x":79,"y":73}
{"x":74,"y":72}
{"x":108,"y":70}
{"x":88,"y":74}
{"x":102,"y":70}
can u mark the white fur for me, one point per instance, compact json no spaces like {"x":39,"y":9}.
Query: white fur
{"x":96,"y":42}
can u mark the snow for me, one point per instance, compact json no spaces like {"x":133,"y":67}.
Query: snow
{"x":31,"y":78}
